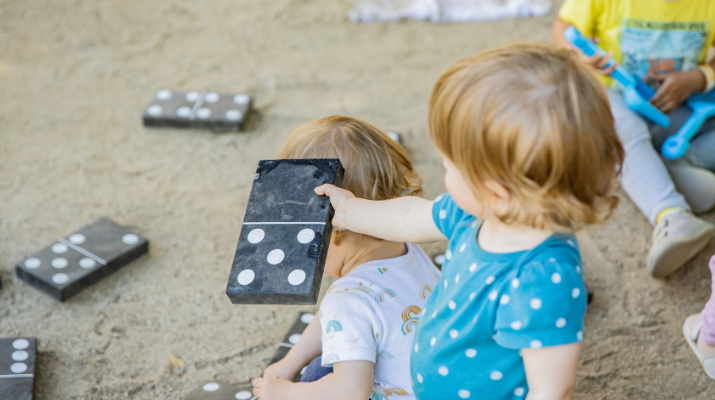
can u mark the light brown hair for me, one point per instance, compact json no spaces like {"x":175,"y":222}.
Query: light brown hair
{"x":534,"y":119}
{"x":376,"y":166}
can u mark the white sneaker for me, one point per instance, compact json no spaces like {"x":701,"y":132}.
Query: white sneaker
{"x":678,"y":237}
{"x":697,"y":185}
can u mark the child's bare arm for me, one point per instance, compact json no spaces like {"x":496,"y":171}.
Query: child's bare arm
{"x":350,"y":380}
{"x":307,"y":348}
{"x":405,"y":219}
{"x":597,"y":61}
{"x":551,"y":371}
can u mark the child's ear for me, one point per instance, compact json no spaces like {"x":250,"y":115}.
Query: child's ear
{"x":500,"y":195}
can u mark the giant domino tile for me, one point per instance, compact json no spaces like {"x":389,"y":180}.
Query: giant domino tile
{"x":284,"y":240}
{"x":17,"y":368}
{"x":197,"y":110}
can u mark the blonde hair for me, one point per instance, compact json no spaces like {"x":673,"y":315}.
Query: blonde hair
{"x":534,"y":119}
{"x":376,"y":167}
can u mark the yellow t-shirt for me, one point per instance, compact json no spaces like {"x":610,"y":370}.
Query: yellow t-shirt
{"x":645,"y":36}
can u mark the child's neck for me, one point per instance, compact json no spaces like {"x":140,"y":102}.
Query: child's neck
{"x":371,"y":250}
{"x":497,"y":237}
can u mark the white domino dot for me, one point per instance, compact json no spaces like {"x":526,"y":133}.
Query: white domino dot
{"x":154,"y":110}
{"x":59,"y":263}
{"x":60,"y":278}
{"x":32,"y":263}
{"x":471,"y":353}
{"x":59,"y":248}
{"x":496,"y":375}
{"x":296,"y":277}
{"x":246,"y":276}
{"x":211,"y":386}
{"x":203,"y":113}
{"x":21,"y":344}
{"x":77,"y":238}
{"x":233,"y":115}
{"x":244,"y":395}
{"x":130,"y":238}
{"x":307,"y":318}
{"x":163,"y":94}
{"x":183,"y":112}
{"x":87,"y":263}
{"x":275,"y":256}
{"x":256,"y":235}
{"x":18,"y":368}
{"x":241,"y":99}
{"x":464,"y":394}
{"x":20,"y":355}
{"x":306,"y":235}
{"x":294,"y":338}
{"x":192,"y":96}
{"x":212,"y":97}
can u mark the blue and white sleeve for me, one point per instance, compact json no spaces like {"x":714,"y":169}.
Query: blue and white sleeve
{"x":447,"y":214}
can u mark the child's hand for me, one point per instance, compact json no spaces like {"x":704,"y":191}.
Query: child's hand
{"x":271,"y":388}
{"x":676,"y":87}
{"x":338,"y":198}
{"x":281,"y":369}
{"x":597,"y":61}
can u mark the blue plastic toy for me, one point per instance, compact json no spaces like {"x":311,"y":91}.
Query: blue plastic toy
{"x":635,"y":92}
{"x":703,"y":106}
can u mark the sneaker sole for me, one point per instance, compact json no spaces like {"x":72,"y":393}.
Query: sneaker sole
{"x":681,"y":252}
{"x":697,"y":185}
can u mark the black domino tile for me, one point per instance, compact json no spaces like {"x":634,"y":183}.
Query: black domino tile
{"x":17,"y":368}
{"x":209,"y":110}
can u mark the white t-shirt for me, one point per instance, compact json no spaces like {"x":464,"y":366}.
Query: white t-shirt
{"x":371,"y":315}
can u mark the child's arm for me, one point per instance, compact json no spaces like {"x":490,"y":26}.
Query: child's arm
{"x":551,"y":371}
{"x":350,"y":380}
{"x":307,"y":348}
{"x":597,"y":61}
{"x":405,"y":219}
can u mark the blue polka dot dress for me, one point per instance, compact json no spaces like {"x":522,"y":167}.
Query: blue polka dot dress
{"x":487,"y":307}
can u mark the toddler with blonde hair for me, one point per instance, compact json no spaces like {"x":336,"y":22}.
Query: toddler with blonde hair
{"x":359,"y":347}
{"x":531,"y":155}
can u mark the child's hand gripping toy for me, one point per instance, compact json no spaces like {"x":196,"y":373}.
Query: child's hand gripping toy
{"x":635,"y":92}
{"x":703,"y":106}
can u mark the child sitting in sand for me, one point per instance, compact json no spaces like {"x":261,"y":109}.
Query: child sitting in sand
{"x":531,"y":154}
{"x":367,"y":318}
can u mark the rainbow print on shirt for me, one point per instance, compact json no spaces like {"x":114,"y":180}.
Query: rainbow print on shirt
{"x":384,"y":295}
{"x":410,"y":318}
{"x":330,"y":359}
{"x":426,"y":291}
{"x":384,"y":355}
{"x":333,"y":326}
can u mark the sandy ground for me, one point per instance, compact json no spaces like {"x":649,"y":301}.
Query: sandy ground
{"x":74,"y":78}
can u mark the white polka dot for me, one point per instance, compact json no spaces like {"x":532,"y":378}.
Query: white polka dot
{"x":464,"y":394}
{"x":571,"y":242}
{"x":561,"y":322}
{"x":471,"y":353}
{"x":77,"y":238}
{"x":490,"y":280}
{"x":417,"y":347}
{"x":154,"y":110}
{"x":448,"y":254}
{"x":183,"y":112}
{"x":18,"y":368}
{"x":456,"y":279}
{"x":296,"y":277}
{"x":536,"y":344}
{"x":59,"y":263}
{"x":445,"y":284}
{"x":434,"y":314}
{"x":203,"y":113}
{"x":60,"y":278}
{"x":211,"y":387}
{"x":443,"y":370}
{"x":19,"y":355}
{"x":579,"y":335}
{"x":551,"y":260}
{"x":515,"y":283}
{"x":87,"y":263}
{"x":473,"y":267}
{"x":243,"y":395}
{"x":59,"y":248}
{"x":535,"y":303}
{"x":212,"y":97}
{"x":519,"y":391}
{"x":245,"y":277}
{"x":432,"y":341}
{"x":275,"y":256}
{"x":233,"y":115}
{"x":556,"y":278}
{"x":578,"y":269}
{"x":192,"y":96}
{"x":20,"y":344}
{"x":306,"y":235}
{"x":241,"y":99}
{"x":163,"y":94}
{"x":130,"y":239}
{"x":474,"y":224}
{"x":294,"y":338}
{"x":307,"y":318}
{"x":419,"y":378}
{"x":443,"y":214}
{"x":464,"y":246}
{"x":438,"y":198}
{"x":516,"y":325}
{"x":504,"y":299}
{"x":32,"y":263}
{"x":453,"y":333}
{"x":496,"y":375}
{"x":575,"y":292}
{"x":452,"y":305}
{"x":255,"y":236}
{"x":493,"y":295}
{"x":472,"y":295}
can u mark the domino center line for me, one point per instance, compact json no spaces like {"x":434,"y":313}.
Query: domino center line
{"x":284,"y":223}
{"x":197,"y":105}
{"x":16,"y":376}
{"x":83,"y":251}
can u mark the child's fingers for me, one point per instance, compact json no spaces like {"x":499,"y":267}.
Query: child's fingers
{"x":258,"y":382}
{"x":257,"y":392}
{"x":325,"y":189}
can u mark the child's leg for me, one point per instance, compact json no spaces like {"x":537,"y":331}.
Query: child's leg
{"x":701,"y":152}
{"x":707,"y":332}
{"x":314,"y":371}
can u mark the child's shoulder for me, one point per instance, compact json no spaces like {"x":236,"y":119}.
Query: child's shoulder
{"x":556,"y":260}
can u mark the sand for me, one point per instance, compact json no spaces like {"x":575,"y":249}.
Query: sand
{"x":74,"y":78}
